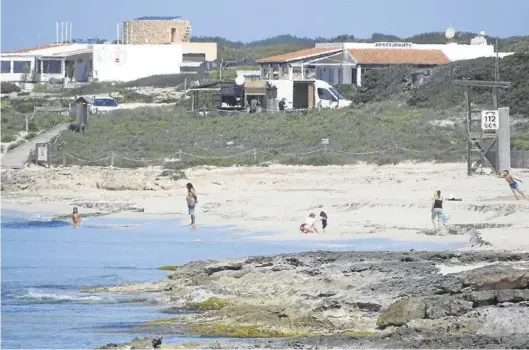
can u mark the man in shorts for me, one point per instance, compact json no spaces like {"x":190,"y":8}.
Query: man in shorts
{"x":511,"y":180}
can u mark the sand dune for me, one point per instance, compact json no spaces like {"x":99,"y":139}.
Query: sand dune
{"x":362,"y":201}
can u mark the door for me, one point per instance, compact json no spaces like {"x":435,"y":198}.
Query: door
{"x":340,"y":76}
{"x":311,"y":96}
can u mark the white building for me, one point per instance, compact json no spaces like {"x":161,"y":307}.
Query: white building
{"x":455,"y":52}
{"x":344,"y":63}
{"x":64,"y":63}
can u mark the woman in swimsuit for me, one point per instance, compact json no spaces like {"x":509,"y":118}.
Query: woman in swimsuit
{"x":192,"y":200}
{"x":437,"y":209}
{"x":76,"y":218}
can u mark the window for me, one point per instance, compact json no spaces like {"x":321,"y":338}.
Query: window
{"x":173,"y":34}
{"x":51,"y":66}
{"x":6,"y":66}
{"x":21,"y":66}
{"x":324,"y":94}
{"x":336,"y":93}
{"x":104,"y":102}
{"x":194,"y":57}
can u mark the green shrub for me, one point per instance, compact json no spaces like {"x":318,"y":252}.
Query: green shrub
{"x":7,"y":88}
{"x":8,"y":137}
{"x":15,"y":145}
{"x":149,"y":135}
{"x":30,"y":135}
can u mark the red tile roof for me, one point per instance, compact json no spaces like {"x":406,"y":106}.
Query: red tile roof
{"x":297,"y":55}
{"x":399,"y":56}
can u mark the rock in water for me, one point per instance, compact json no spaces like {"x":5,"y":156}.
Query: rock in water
{"x":476,"y":240}
{"x":137,"y":343}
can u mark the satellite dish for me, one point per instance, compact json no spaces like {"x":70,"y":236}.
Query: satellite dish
{"x":450,"y":33}
{"x":483,"y":33}
{"x":239,"y":80}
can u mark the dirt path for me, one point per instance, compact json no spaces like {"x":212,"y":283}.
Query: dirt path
{"x":17,"y":158}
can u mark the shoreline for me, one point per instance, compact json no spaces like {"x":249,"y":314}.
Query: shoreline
{"x":362,"y":201}
{"x":354,"y":299}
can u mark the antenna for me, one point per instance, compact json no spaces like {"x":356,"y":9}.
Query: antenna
{"x":56,"y":32}
{"x":71,"y":37}
{"x":450,"y":33}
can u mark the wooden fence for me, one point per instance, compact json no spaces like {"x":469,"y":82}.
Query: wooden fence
{"x":520,"y":158}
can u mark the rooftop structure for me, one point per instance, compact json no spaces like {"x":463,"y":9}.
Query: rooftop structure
{"x":157,"y":18}
{"x":156,"y":30}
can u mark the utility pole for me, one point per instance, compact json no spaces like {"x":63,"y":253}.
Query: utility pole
{"x":496,"y":77}
{"x":340,"y":78}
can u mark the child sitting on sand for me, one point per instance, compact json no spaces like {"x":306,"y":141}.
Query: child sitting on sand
{"x":309,"y":226}
{"x":76,"y":218}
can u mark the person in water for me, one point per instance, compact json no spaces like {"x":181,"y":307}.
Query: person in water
{"x":437,"y":209}
{"x":309,"y":226}
{"x":323,"y":218}
{"x":76,"y":218}
{"x":511,"y":180}
{"x":192,"y":200}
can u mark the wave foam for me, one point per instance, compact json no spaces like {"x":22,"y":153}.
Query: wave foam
{"x":51,"y":297}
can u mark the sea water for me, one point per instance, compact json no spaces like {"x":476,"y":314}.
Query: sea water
{"x":46,"y":264}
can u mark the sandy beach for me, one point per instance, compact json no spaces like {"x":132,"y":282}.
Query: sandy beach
{"x":362,"y":201}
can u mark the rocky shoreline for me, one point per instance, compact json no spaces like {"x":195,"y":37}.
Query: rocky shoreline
{"x":409,"y":299}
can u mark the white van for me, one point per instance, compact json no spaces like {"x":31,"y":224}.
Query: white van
{"x":303,"y":94}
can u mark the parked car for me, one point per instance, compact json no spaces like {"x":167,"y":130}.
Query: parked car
{"x":102,"y":105}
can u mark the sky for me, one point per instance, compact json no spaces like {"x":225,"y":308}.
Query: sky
{"x":27,"y":23}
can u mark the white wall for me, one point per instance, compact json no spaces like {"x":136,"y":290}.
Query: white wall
{"x":455,"y":52}
{"x":130,"y":62}
{"x":208,"y":49}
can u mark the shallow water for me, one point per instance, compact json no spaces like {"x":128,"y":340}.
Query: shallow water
{"x":45,"y":265}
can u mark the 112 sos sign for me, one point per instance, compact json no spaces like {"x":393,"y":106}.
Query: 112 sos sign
{"x":490,"y":120}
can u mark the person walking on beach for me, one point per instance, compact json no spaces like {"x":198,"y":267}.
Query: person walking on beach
{"x":323,"y":218}
{"x":511,"y":180}
{"x":437,"y":209}
{"x":192,"y":200}
{"x":309,"y":226}
{"x":76,"y":218}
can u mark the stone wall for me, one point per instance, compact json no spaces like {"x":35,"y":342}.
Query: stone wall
{"x":156,"y":31}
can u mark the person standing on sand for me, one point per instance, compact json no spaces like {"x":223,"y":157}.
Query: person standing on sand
{"x":309,"y":226}
{"x":76,"y":218}
{"x":511,"y":180}
{"x":192,"y":200}
{"x":437,"y":209}
{"x":323,"y":218}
